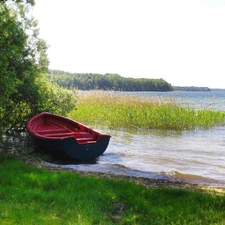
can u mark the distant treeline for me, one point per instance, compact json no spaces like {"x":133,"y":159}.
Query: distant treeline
{"x":190,"y":88}
{"x":90,"y":81}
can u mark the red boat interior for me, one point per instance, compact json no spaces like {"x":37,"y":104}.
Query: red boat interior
{"x":54,"y":128}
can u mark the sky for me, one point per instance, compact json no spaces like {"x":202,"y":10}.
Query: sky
{"x":180,"y":41}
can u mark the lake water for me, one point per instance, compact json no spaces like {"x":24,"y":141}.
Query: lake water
{"x":192,"y":156}
{"x":199,"y":100}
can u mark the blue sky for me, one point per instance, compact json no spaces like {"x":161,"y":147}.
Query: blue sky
{"x":181,"y":41}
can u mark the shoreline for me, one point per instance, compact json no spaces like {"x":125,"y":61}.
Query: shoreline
{"x":146,"y":182}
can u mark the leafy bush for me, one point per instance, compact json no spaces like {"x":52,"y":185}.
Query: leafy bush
{"x":54,"y":98}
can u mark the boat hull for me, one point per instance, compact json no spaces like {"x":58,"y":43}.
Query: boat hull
{"x":66,"y":145}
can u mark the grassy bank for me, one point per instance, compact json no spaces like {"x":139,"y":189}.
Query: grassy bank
{"x":116,"y":110}
{"x":30,"y":195}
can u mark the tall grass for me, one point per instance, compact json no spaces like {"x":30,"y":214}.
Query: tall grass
{"x":128,"y":111}
{"x":31,"y":195}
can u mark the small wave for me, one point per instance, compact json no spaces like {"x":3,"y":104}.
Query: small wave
{"x":122,"y":170}
{"x":192,"y":178}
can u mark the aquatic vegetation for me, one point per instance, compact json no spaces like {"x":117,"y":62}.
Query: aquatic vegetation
{"x":117,"y":110}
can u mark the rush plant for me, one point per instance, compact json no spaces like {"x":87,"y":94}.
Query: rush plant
{"x":117,"y":110}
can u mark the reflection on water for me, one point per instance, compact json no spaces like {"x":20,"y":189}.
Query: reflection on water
{"x":16,"y":143}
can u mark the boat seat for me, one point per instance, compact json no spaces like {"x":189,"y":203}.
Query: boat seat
{"x":58,"y":134}
{"x":82,"y":135}
{"x":86,"y":135}
{"x":85,"y":140}
{"x":51,"y":131}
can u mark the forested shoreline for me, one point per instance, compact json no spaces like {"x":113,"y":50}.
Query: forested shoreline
{"x":191,"y":88}
{"x":93,"y":81}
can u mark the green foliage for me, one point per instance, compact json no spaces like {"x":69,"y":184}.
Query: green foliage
{"x":22,"y":58}
{"x":127,"y":111}
{"x":11,"y":52}
{"x":31,"y":2}
{"x":36,"y":196}
{"x":54,"y":98}
{"x":107,"y":82}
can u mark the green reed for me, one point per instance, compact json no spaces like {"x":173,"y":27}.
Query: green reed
{"x":127,"y":111}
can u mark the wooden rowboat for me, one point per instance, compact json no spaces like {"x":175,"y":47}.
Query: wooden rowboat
{"x":64,"y":137}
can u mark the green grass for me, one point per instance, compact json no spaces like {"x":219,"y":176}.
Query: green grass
{"x":30,"y":195}
{"x":127,"y":111}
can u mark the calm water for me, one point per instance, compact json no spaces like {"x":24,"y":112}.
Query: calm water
{"x":199,"y":100}
{"x":193,"y":156}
